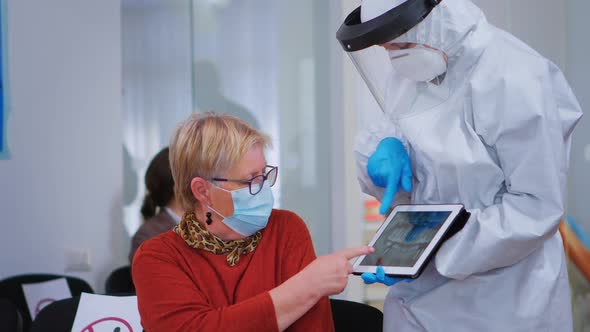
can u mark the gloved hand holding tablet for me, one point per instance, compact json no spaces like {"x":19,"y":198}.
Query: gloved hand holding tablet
{"x":408,"y":239}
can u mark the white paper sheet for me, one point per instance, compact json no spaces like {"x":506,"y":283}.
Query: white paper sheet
{"x":103,"y":313}
{"x":38,"y":295}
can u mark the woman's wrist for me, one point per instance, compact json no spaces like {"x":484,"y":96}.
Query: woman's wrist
{"x":301,"y":289}
{"x":305,"y":285}
{"x":293,"y":298}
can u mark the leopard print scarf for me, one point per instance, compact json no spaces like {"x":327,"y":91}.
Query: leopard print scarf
{"x":196,"y":236}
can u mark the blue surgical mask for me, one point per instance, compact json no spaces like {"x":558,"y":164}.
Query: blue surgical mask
{"x":251,"y":212}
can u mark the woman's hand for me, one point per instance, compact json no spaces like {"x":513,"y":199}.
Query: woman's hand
{"x":324,"y":276}
{"x":329,"y":274}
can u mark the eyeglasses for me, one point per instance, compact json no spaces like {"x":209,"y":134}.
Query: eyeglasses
{"x":255,"y":184}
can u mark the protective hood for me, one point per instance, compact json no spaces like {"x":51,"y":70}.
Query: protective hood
{"x":444,"y":25}
{"x":448,"y":27}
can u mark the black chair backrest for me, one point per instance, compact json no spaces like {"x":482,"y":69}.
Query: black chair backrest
{"x":11,"y":289}
{"x":57,"y":316}
{"x":10,"y":317}
{"x":120,"y":282}
{"x":354,"y":317}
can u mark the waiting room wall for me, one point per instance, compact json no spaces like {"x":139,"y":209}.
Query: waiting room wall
{"x":61,"y":190}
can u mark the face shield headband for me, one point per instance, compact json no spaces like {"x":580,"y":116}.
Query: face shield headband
{"x":354,"y":35}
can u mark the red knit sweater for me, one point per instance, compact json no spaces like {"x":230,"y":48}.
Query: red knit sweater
{"x":183,"y":289}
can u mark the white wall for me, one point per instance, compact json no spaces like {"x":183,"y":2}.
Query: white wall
{"x":157,"y":84}
{"x":62,"y":187}
{"x":578,"y":72}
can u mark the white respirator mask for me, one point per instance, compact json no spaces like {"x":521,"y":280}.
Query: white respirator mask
{"x":420,"y":63}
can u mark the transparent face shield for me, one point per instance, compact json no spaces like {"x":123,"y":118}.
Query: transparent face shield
{"x":403,"y":76}
{"x":400,"y":84}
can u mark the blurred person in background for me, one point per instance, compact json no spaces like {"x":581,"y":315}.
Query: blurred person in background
{"x":160,"y":210}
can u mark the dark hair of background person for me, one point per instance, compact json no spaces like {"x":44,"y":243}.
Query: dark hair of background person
{"x":159,"y":184}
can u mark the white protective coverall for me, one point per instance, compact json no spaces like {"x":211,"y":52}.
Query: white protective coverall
{"x":500,"y":145}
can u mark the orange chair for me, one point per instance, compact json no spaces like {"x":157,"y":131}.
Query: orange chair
{"x":575,"y":250}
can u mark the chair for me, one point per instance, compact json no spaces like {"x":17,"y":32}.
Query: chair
{"x":11,"y":289}
{"x":120,"y":282}
{"x":11,"y":319}
{"x":57,"y":316}
{"x":354,"y":317}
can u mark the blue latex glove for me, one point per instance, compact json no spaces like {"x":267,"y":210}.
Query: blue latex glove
{"x":371,"y":278}
{"x":389,"y":168}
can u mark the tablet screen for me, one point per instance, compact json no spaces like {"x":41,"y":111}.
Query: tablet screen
{"x":405,"y":238}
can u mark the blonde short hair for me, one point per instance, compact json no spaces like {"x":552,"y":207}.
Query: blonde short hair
{"x":208,"y":145}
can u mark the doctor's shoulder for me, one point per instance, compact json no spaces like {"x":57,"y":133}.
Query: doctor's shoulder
{"x":507,"y":58}
{"x":505,"y":81}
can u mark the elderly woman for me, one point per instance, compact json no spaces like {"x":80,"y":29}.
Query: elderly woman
{"x":233,"y":263}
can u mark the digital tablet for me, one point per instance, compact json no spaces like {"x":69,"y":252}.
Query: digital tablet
{"x":409,"y":237}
